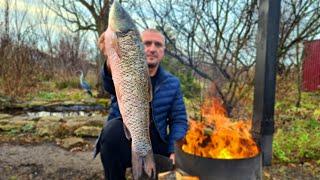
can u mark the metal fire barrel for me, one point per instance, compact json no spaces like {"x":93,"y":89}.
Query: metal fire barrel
{"x":221,"y":169}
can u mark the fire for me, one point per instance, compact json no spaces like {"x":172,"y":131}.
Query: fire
{"x":218,"y":137}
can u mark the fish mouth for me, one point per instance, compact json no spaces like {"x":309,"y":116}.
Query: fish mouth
{"x":119,"y":19}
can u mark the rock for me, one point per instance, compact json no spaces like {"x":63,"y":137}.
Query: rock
{"x":19,"y":118}
{"x":10,"y":127}
{"x":95,"y":121}
{"x":74,"y":123}
{"x":88,"y":131}
{"x":71,"y":142}
{"x":71,"y":102}
{"x":4,"y":121}
{"x":51,"y":118}
{"x":17,"y":125}
{"x":50,"y":126}
{"x":36,"y":103}
{"x":5,"y":116}
{"x":90,"y":101}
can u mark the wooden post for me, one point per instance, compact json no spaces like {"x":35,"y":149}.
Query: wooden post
{"x":265,"y":76}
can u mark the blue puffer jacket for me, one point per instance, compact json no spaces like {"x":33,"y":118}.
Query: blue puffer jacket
{"x":168,"y":109}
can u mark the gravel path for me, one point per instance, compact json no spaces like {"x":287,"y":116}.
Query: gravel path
{"x":47,"y":161}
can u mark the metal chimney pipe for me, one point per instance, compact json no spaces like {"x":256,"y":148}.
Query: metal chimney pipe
{"x":265,"y":76}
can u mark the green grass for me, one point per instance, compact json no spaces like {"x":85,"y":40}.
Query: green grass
{"x":297,"y":136}
{"x":60,"y":90}
{"x":28,"y":127}
{"x":299,"y":142}
{"x":59,"y":95}
{"x":43,"y":95}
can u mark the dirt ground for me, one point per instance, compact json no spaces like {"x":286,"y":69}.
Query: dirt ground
{"x":49,"y":161}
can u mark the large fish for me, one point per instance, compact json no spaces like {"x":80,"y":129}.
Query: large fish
{"x":133,"y":89}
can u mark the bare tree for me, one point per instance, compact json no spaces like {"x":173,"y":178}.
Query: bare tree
{"x":213,"y":38}
{"x":300,"y":21}
{"x":216,"y":39}
{"x":49,"y":37}
{"x":84,"y":15}
{"x":19,"y":71}
{"x":5,"y":37}
{"x":47,"y":29}
{"x":6,"y":18}
{"x":23,"y":27}
{"x":70,"y":53}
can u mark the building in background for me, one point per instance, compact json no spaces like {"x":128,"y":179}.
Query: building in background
{"x":311,"y":66}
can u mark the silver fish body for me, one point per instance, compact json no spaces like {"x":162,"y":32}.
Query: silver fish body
{"x":133,"y":89}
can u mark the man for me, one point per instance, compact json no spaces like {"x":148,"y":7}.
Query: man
{"x":167,"y":108}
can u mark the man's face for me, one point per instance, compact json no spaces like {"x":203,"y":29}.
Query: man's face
{"x":153,"y":47}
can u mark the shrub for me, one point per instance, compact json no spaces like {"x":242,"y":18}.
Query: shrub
{"x":67,"y":83}
{"x":20,"y":73}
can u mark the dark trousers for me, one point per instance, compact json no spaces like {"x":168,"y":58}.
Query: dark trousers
{"x":115,"y":149}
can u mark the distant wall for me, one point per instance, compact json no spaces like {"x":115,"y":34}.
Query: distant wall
{"x":311,"y":66}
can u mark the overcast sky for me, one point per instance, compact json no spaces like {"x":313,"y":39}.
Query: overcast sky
{"x":31,"y":13}
{"x":35,"y":10}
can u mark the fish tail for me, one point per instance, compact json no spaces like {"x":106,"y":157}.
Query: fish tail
{"x":143,"y":163}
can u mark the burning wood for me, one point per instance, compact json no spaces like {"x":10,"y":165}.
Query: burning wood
{"x":176,"y":175}
{"x":216,"y":136}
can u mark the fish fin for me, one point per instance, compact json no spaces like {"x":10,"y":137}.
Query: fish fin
{"x":142,"y":164}
{"x":117,"y":48}
{"x":149,"y":165}
{"x":150,"y":90}
{"x":149,"y":86}
{"x":126,"y":132}
{"x":136,"y":165}
{"x":112,"y":49}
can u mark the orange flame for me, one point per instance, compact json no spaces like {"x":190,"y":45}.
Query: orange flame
{"x":218,"y":137}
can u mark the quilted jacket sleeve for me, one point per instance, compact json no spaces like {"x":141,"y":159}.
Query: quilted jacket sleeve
{"x":177,"y":119}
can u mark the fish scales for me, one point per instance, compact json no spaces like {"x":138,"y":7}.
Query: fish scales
{"x":132,"y":84}
{"x":131,"y":78}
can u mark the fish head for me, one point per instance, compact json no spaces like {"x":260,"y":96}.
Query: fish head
{"x":119,"y":19}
